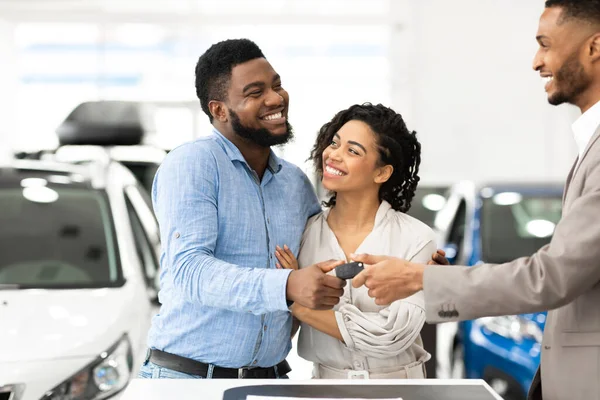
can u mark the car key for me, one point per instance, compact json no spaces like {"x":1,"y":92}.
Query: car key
{"x":349,"y":270}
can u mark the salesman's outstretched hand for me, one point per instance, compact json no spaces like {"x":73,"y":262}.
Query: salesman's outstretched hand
{"x":388,"y":278}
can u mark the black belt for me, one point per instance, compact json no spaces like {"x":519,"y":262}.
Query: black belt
{"x":193,"y":367}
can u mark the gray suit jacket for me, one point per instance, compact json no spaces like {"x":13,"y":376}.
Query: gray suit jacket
{"x":562,"y":277}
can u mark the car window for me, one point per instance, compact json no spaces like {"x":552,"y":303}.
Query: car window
{"x":516,"y":225}
{"x":144,"y":248}
{"x":457,"y":230}
{"x":426,"y":203}
{"x":57,"y":238}
{"x":143,"y":171}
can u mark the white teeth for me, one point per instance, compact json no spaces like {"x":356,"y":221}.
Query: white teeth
{"x":334,"y":171}
{"x":273,"y":116}
{"x":548,"y":79}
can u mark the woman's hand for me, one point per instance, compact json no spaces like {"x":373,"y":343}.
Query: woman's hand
{"x":286,"y":258}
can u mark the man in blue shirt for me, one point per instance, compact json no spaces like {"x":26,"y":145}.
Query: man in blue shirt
{"x":224,"y":202}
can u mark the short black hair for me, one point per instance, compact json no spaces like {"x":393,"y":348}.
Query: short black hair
{"x":397,"y":147}
{"x":584,"y":10}
{"x":213,"y":70}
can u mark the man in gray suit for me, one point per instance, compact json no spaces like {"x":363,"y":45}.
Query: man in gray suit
{"x":564,"y":276}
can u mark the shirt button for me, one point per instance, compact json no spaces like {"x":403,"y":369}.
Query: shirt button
{"x":177,"y":235}
{"x":357,"y":364}
{"x":547,"y":347}
{"x":255,"y":362}
{"x":265,"y":328}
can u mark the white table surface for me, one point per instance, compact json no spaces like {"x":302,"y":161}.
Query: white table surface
{"x":212,"y":389}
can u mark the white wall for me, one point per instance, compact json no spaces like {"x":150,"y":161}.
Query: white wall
{"x":478,"y":107}
{"x":459,"y":72}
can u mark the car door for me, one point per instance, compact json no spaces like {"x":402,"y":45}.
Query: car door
{"x":146,"y":235}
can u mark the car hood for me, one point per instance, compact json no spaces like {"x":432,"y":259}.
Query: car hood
{"x":52,"y":324}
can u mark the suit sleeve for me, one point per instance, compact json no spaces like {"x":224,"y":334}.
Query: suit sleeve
{"x":554,"y":276}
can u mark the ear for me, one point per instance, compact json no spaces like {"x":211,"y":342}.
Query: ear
{"x":384,"y":173}
{"x":218,"y":110}
{"x":594,"y":48}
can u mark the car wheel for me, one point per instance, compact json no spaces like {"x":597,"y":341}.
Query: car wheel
{"x":457,"y":367}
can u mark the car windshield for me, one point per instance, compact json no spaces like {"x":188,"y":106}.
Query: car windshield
{"x":426,"y":203}
{"x":56,"y":238}
{"x":516,"y":225}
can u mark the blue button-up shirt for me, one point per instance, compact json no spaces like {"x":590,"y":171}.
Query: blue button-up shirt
{"x":223,"y":300}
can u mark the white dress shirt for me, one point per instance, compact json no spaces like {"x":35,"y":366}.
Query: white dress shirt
{"x":377,"y":339}
{"x":584,"y":128}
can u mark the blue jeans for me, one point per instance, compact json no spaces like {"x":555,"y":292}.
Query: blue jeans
{"x":152,"y":371}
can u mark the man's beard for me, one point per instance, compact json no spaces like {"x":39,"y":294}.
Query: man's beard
{"x":261,"y":137}
{"x":570,"y":80}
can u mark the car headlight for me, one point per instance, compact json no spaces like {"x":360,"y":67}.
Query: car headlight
{"x":102,"y":378}
{"x":513,"y":327}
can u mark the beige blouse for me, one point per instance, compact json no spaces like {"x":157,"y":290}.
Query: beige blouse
{"x":377,"y":339}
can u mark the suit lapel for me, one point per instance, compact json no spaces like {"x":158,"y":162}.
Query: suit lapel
{"x":569,"y":177}
{"x":575,"y":168}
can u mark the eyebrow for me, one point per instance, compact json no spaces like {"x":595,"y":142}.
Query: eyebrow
{"x":259,"y":84}
{"x":353,"y":142}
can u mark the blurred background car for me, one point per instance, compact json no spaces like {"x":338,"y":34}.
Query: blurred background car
{"x":79,"y":247}
{"x":497,"y":223}
{"x":78,"y":278}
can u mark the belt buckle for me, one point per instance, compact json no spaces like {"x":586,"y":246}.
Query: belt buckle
{"x":241,"y":373}
{"x":358,"y":374}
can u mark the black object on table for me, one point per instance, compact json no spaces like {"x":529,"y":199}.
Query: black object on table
{"x":406,"y":392}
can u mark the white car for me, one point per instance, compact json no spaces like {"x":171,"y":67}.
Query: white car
{"x":78,"y":273}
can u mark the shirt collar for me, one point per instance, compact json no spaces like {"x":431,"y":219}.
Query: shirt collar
{"x":585,"y":126}
{"x":235,"y":154}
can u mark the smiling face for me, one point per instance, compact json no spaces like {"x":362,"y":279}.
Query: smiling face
{"x":565,"y":58}
{"x":256,"y":104}
{"x":351,"y":161}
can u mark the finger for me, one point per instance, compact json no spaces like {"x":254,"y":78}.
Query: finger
{"x":331,"y":301}
{"x":441,"y":252}
{"x":289,"y":256}
{"x":331,"y":292}
{"x":382,"y":301}
{"x":368,"y":258}
{"x":327,"y":266}
{"x":441,"y":260}
{"x":430,"y":262}
{"x":281,"y":256}
{"x":334,"y":282}
{"x":278,"y":265}
{"x":360,"y":279}
{"x":282,"y":260}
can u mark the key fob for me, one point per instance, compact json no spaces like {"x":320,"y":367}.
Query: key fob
{"x":349,"y":270}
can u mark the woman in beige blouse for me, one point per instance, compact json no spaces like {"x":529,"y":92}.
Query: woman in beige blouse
{"x":369,"y":161}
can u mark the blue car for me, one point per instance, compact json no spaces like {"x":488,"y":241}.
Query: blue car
{"x":496,"y":223}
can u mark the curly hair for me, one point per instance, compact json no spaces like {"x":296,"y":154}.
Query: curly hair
{"x":397,"y":147}
{"x":213,"y":69}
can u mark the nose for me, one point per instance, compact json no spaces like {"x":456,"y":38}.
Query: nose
{"x":335,"y":154}
{"x":538,"y":61}
{"x":273,"y":99}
